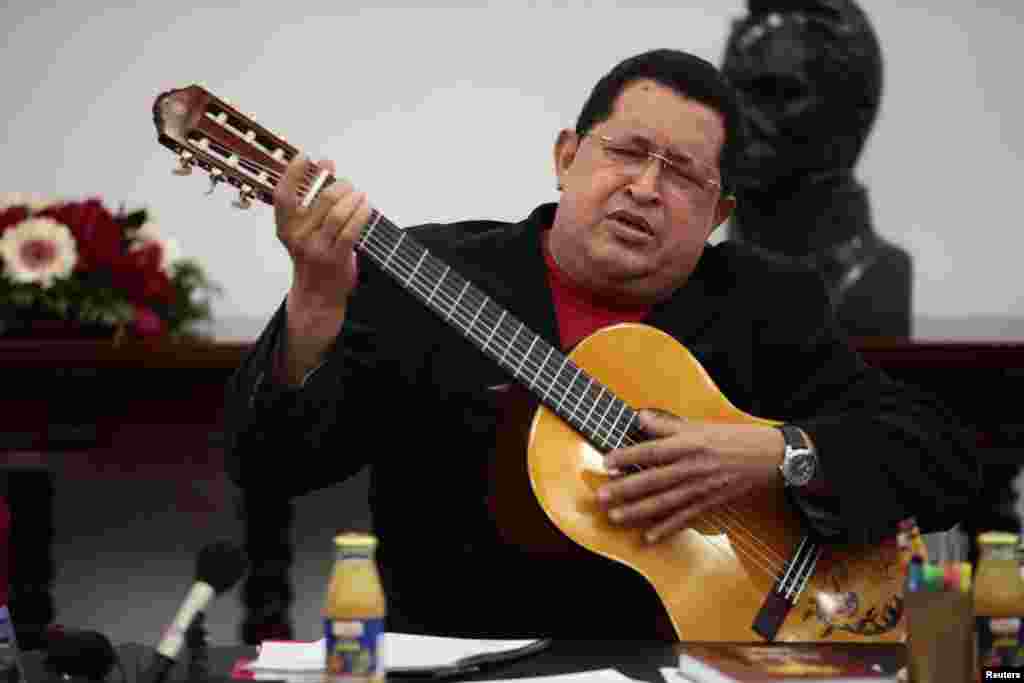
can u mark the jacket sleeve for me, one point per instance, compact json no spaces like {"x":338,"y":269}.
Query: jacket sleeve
{"x":292,"y":441}
{"x":888,"y":450}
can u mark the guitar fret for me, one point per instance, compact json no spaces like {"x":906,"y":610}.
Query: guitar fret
{"x":412,"y":273}
{"x":611,"y":402}
{"x":525,"y":356}
{"x":583,"y":397}
{"x":365,"y":237}
{"x":397,"y":245}
{"x":558,"y":408}
{"x":555,"y":379}
{"x":510,"y":344}
{"x":438,"y":283}
{"x":540,"y":367}
{"x":448,"y":316}
{"x":629,"y":423}
{"x":593,"y":404}
{"x":495,"y":329}
{"x":622,"y":407}
{"x":473,"y":321}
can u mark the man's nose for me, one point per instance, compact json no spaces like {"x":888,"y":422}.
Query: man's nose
{"x":645,"y":184}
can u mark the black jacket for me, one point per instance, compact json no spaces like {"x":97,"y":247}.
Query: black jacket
{"x":407,"y":394}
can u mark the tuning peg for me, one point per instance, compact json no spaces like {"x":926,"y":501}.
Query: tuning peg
{"x":216,"y":176}
{"x":185,"y":161}
{"x":245,"y":195}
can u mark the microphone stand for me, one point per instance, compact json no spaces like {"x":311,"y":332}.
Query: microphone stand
{"x":198,"y":652}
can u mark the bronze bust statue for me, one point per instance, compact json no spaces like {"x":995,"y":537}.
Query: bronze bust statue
{"x":809,"y":73}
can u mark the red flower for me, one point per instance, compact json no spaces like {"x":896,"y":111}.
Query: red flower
{"x":138,"y":274}
{"x":147,"y":323}
{"x":12,"y":216}
{"x":99,"y":237}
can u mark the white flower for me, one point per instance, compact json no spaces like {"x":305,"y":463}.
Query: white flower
{"x":35,"y":202}
{"x":38,"y":250}
{"x":148,"y":235}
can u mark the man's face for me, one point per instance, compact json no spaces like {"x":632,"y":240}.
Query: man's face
{"x":635,"y":237}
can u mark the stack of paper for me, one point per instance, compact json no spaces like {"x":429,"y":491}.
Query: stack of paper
{"x":301,"y":661}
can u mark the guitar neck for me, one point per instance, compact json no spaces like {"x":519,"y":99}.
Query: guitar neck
{"x":593,"y":410}
{"x":208,"y":132}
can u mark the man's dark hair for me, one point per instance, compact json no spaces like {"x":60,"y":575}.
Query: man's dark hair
{"x":686,"y":74}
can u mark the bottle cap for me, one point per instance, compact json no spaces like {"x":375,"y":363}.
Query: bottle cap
{"x":951,"y":576}
{"x":998,"y":538}
{"x":351,"y":539}
{"x":933,"y":576}
{"x":966,"y":570}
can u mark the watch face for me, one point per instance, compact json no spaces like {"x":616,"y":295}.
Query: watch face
{"x":799,"y":467}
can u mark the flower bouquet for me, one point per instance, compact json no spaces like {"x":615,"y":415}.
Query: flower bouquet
{"x":74,"y":267}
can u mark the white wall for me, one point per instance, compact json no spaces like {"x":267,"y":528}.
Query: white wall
{"x":446,"y":113}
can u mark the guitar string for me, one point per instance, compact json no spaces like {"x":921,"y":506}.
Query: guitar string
{"x":805,"y":564}
{"x":717,"y":546}
{"x":738,"y":530}
{"x":742,"y":544}
{"x":722,"y":526}
{"x":374,"y":248}
{"x":752,"y":548}
{"x":727,"y":509}
{"x":797,"y":573}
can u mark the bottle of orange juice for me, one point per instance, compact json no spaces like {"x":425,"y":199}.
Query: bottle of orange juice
{"x":354,"y":612}
{"x":998,"y":598}
{"x":998,"y":588}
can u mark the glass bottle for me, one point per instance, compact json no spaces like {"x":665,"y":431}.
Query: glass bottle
{"x":998,"y":598}
{"x":354,"y":612}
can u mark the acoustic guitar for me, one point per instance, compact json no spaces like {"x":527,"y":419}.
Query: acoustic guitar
{"x":748,"y":571}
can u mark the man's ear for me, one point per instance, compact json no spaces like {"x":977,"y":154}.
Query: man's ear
{"x":726,"y":205}
{"x":565,"y":153}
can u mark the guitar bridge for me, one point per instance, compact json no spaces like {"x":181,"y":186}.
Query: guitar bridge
{"x":787,"y":589}
{"x":771,"y":615}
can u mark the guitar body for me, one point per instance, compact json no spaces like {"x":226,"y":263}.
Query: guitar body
{"x":713,"y":578}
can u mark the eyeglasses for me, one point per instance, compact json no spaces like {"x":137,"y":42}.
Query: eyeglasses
{"x":685,"y":177}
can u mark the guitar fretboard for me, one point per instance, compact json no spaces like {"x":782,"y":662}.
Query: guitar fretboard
{"x":591,"y":408}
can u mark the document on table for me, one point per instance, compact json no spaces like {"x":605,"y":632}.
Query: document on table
{"x":405,"y":656}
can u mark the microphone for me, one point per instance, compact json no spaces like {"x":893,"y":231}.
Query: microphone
{"x":73,"y":653}
{"x":219,"y":566}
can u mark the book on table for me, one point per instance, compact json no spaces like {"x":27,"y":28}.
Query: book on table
{"x":805,"y":662}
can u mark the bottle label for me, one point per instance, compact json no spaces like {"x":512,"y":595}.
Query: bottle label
{"x":354,"y":647}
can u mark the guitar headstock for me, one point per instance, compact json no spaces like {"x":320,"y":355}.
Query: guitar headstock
{"x":207,"y":132}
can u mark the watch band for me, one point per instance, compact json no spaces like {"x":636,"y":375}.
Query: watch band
{"x":793,"y":436}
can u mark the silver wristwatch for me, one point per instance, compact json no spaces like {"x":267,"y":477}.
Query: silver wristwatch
{"x":800,"y":461}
